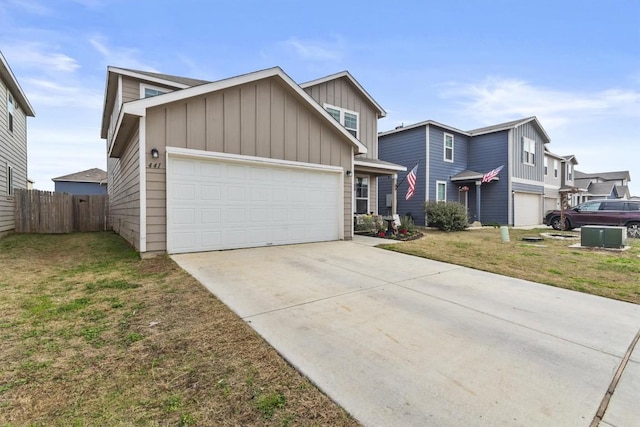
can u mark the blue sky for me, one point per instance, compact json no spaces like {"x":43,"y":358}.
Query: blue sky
{"x":466,"y":63}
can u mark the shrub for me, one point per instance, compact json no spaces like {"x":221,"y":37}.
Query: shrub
{"x":407,"y":224}
{"x":364,"y":223}
{"x":446,"y":216}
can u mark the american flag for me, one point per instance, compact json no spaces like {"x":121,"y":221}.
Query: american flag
{"x":411,"y":179}
{"x":487,"y":177}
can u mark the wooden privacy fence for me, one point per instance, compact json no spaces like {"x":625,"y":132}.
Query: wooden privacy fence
{"x":48,"y":212}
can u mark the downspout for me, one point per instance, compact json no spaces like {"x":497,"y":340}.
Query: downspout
{"x":426,"y":168}
{"x":510,"y":162}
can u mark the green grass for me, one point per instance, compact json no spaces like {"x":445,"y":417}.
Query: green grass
{"x":612,"y":274}
{"x":92,"y":335}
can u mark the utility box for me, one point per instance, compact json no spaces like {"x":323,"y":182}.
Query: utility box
{"x":602,"y":236}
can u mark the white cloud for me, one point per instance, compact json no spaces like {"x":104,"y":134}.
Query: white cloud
{"x":52,"y":94}
{"x":119,"y":56}
{"x":30,"y":6}
{"x":495,"y":99}
{"x":40,"y":56}
{"x":311,"y":50}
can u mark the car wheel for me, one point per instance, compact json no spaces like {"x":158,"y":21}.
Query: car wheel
{"x":556,"y":224}
{"x":633,"y":230}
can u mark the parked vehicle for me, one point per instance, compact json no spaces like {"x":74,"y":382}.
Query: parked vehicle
{"x":624,"y":213}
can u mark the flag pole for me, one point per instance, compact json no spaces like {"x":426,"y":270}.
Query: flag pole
{"x":405,"y":177}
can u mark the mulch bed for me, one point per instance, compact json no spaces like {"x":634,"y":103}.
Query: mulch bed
{"x":390,"y":236}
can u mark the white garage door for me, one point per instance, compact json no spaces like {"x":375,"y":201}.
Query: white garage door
{"x":527,"y":209}
{"x":217,"y":204}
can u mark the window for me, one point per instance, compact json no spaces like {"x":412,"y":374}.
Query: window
{"x":441,"y":191}
{"x":528,"y":151}
{"x":590,"y":206}
{"x":546,"y":164}
{"x":348,"y":119}
{"x":9,"y":180}
{"x":10,"y":110}
{"x":448,"y":147}
{"x":569,"y":172}
{"x":630,"y":206}
{"x":147,"y":91}
{"x":555,"y":168}
{"x":362,"y":194}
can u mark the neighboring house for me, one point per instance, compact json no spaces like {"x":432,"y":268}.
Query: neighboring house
{"x":559,"y":177}
{"x":451,"y":164}
{"x":253,"y":160}
{"x":89,"y":182}
{"x":603,"y":185}
{"x":14,"y":110}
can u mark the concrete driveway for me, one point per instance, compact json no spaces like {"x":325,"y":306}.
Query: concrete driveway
{"x":403,"y":341}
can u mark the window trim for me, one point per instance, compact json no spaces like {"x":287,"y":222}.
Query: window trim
{"x":11,"y":107}
{"x":355,"y":192}
{"x":445,"y":191}
{"x":445,"y":148}
{"x":546,"y":166}
{"x":9,"y":180}
{"x":144,"y":86}
{"x":528,"y":151}
{"x":342,"y":119}
{"x":555,"y":168}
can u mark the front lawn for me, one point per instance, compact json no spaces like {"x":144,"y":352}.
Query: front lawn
{"x":595,"y":271}
{"x":90,"y":335}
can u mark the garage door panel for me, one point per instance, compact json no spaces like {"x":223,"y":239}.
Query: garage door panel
{"x":527,"y":209}
{"x":216,"y":204}
{"x":210,"y":216}
{"x":210,"y":192}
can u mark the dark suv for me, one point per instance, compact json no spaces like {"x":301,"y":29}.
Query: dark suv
{"x":599,"y":212}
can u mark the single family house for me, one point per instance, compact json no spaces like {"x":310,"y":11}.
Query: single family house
{"x":496,"y":172}
{"x":252,"y":160}
{"x":559,"y":178}
{"x":83,"y":183}
{"x":14,"y":110}
{"x":603,"y":185}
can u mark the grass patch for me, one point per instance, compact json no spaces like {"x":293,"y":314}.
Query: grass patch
{"x":599,"y":272}
{"x":92,"y":335}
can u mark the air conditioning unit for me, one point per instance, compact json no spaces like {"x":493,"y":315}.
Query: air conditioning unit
{"x":601,"y":236}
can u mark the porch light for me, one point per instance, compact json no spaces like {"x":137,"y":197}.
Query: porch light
{"x":349,"y":173}
{"x":155,"y":153}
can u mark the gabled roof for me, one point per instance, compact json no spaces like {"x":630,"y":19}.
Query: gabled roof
{"x":622,"y":191}
{"x":475,"y":132}
{"x":138,"y":108}
{"x":605,"y":176}
{"x":90,"y":175}
{"x":175,"y":82}
{"x":424,"y":123}
{"x":11,"y":82}
{"x":582,"y":182}
{"x":571,"y":158}
{"x":354,"y":82}
{"x":510,"y":125}
{"x":601,"y":189}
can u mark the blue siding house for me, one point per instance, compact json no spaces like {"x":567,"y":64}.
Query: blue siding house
{"x":451,"y":164}
{"x":84,"y":183}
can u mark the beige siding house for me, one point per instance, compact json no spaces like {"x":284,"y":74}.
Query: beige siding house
{"x":14,"y":110}
{"x":559,"y":178}
{"x":254,"y":160}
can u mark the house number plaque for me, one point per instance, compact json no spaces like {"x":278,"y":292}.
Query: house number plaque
{"x":154,"y":165}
